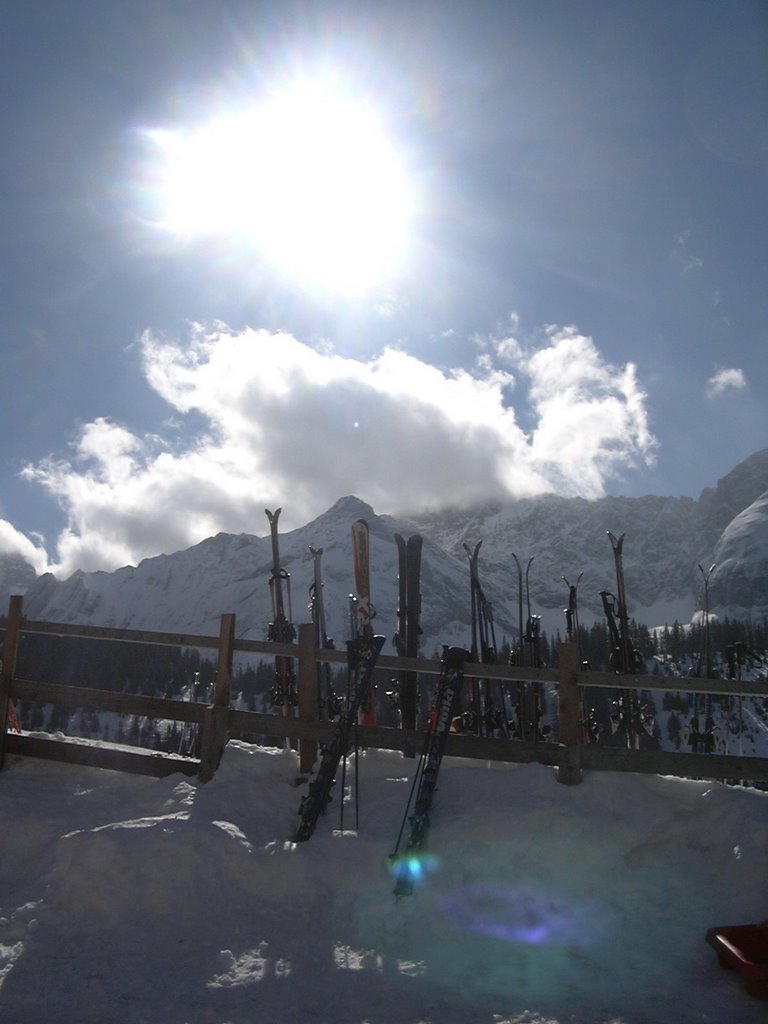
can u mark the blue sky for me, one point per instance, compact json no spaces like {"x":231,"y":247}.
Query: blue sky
{"x":552,"y":278}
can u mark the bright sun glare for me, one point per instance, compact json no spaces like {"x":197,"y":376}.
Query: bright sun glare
{"x":309,"y":177}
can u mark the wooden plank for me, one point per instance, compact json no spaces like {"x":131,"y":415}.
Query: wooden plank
{"x":267,"y":647}
{"x":113,"y":758}
{"x":223,"y":681}
{"x":213,"y":741}
{"x":394,"y":663}
{"x":133,"y":636}
{"x":245,"y":724}
{"x":106,"y":700}
{"x":674,"y":684}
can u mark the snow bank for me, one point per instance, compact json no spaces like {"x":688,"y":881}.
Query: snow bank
{"x":167,"y":902}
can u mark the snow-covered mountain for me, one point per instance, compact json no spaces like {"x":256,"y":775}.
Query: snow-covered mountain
{"x":741,"y":557}
{"x":666,"y":539}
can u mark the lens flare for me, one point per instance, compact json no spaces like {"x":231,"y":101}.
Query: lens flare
{"x":526,"y":915}
{"x":410,"y":869}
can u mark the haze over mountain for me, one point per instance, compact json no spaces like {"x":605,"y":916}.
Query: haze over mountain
{"x":666,"y":539}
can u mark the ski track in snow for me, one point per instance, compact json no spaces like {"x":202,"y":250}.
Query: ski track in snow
{"x":169,"y":902}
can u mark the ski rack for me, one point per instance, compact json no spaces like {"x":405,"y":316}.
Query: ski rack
{"x":407,"y":867}
{"x":362,"y":653}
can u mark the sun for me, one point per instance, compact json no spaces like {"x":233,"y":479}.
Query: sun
{"x":309,"y":176}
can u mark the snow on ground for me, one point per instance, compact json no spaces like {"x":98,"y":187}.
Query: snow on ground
{"x":128,"y":899}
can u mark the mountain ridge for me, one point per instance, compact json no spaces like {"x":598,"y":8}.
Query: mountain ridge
{"x":666,"y":540}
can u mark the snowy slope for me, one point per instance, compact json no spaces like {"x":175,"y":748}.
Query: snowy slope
{"x":190,"y":589}
{"x":127,"y":899}
{"x":740,"y":581}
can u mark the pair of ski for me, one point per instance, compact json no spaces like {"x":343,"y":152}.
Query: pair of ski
{"x":328,"y":703}
{"x":701,"y":733}
{"x":527,"y":721}
{"x":281,"y":628}
{"x":408,"y":614}
{"x":628,"y":712}
{"x":408,"y":628}
{"x":407,"y":867}
{"x":589,"y":725}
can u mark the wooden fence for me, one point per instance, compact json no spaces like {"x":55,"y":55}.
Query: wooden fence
{"x":218,"y":721}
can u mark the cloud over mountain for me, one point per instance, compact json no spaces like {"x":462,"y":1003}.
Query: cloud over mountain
{"x":268,"y":419}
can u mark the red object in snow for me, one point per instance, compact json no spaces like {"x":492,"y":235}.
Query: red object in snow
{"x":744,"y":948}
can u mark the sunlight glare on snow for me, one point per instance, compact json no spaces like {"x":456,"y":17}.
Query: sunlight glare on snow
{"x":250,"y":967}
{"x":8,"y":957}
{"x":348,"y":959}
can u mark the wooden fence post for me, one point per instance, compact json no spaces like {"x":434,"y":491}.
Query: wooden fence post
{"x":569,"y":769}
{"x":222,"y":687}
{"x":307,"y":693}
{"x":8,"y":665}
{"x":215,"y":724}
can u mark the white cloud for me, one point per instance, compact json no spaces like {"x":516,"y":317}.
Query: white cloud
{"x":13,"y":543}
{"x":592,"y":419}
{"x":726,"y":379}
{"x":290,"y":425}
{"x":681,"y":252}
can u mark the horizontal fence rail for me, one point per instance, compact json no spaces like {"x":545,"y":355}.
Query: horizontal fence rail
{"x":217,"y":721}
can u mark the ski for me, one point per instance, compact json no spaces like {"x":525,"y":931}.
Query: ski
{"x":362,"y":653}
{"x":281,"y":629}
{"x":407,"y":867}
{"x":408,"y":628}
{"x":189,"y":740}
{"x":327,"y":700}
{"x":572,"y":611}
{"x":527,"y":723}
{"x":628,"y":713}
{"x":400,"y":695}
{"x":363,"y":607}
{"x":589,"y":725}
{"x":526,"y":714}
{"x":489,"y":718}
{"x":701,"y":733}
